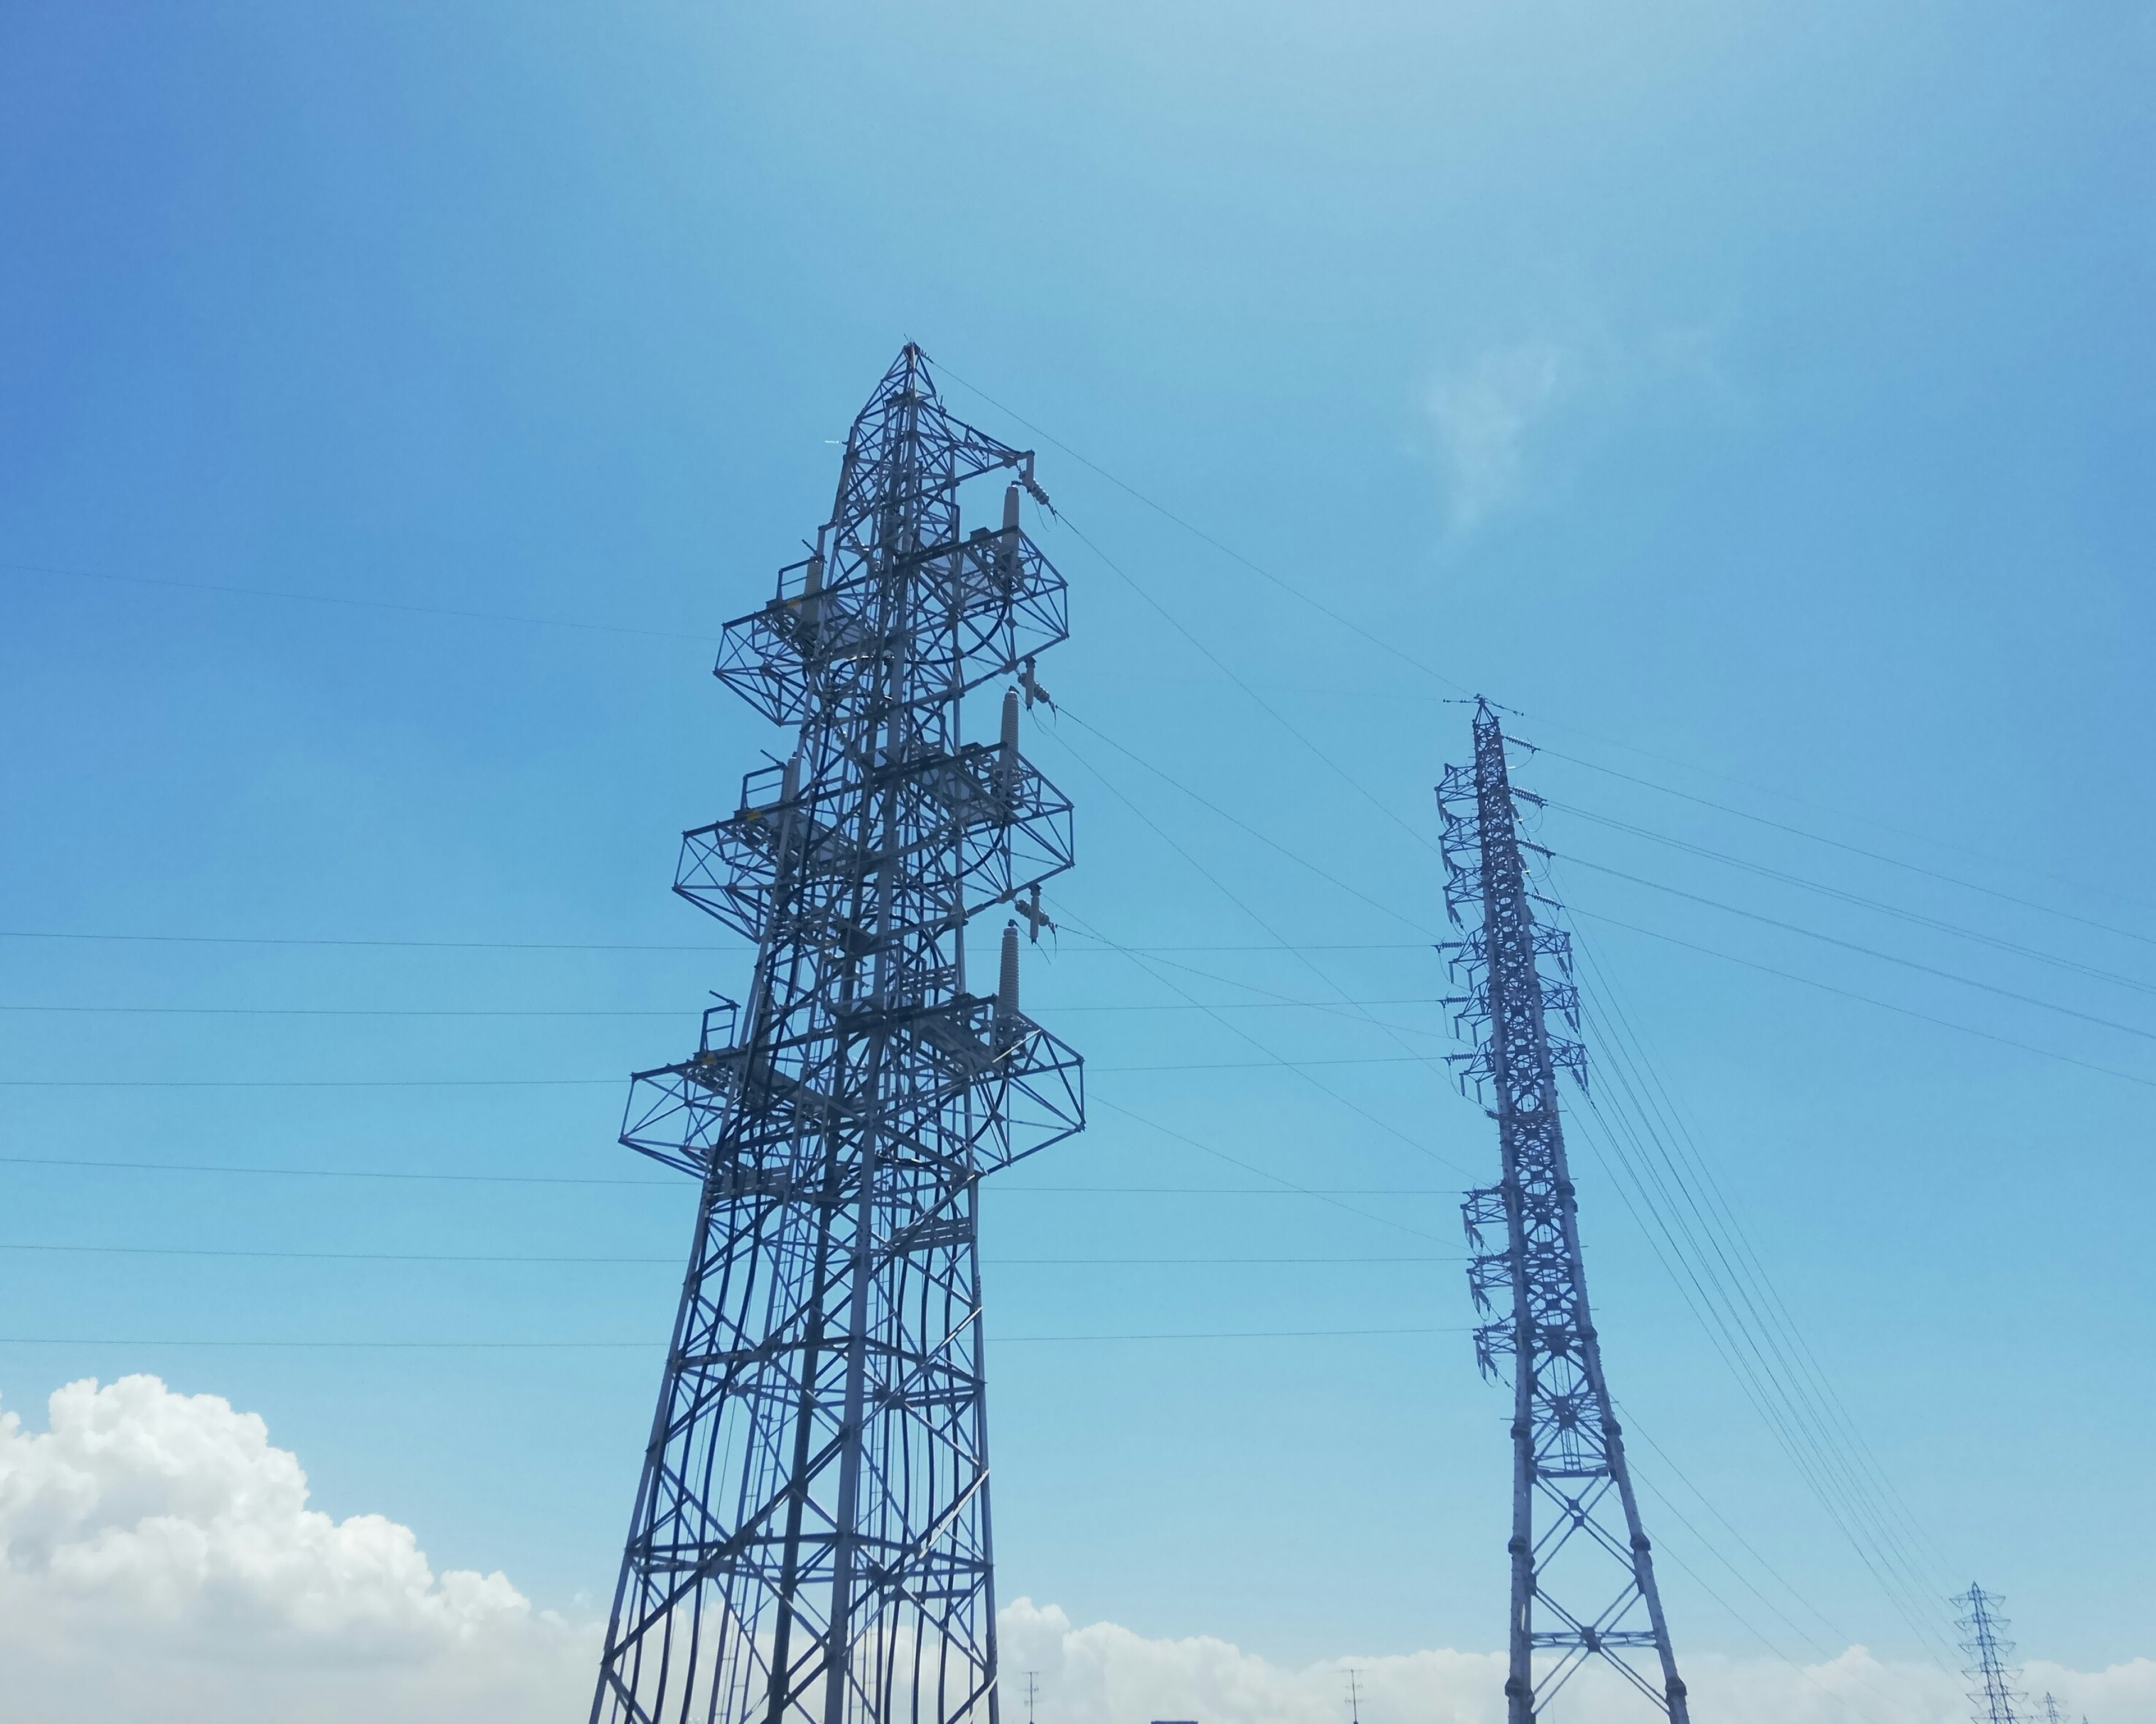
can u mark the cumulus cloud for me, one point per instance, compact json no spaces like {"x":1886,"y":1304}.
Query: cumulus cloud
{"x":1101,"y":1674}
{"x":1485,"y":414}
{"x":158,"y":1560}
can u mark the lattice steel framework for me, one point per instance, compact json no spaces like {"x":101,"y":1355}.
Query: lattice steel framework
{"x":1992,"y":1691}
{"x":1584,"y":1579}
{"x":810,"y":1542}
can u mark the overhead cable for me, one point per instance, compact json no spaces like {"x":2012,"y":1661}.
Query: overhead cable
{"x":1746,"y":1318}
{"x":659,"y":1342}
{"x":1864,"y":998}
{"x":1916,"y":918}
{"x":350,"y":600}
{"x":1285,"y":1189}
{"x":1906,"y":963}
{"x":470,"y":1257}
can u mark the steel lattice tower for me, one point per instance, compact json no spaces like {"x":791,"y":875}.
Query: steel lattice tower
{"x":1992,"y":1696}
{"x":1581,"y":1563}
{"x":810,"y":1542}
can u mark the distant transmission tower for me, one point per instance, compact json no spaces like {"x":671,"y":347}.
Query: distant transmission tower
{"x":1992,"y":1692}
{"x":810,"y":1539}
{"x":1583,"y":1574}
{"x":2051,"y":1715}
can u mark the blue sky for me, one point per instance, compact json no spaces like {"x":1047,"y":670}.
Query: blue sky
{"x":1755,"y":399}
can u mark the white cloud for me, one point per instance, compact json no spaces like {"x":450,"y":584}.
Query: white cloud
{"x":1485,"y":415}
{"x":1101,"y":1674}
{"x":158,"y":1560}
{"x":1514,"y":422}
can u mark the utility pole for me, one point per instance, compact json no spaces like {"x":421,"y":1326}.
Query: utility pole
{"x":810,"y":1539}
{"x":1583,"y":1574}
{"x":1992,"y":1692}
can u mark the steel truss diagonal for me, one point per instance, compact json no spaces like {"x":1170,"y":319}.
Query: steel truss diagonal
{"x":1583,"y":1573}
{"x":810,"y":1540}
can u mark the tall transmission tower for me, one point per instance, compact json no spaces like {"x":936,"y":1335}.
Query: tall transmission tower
{"x":1992,"y":1692}
{"x":810,"y":1540}
{"x":2051,"y":1713}
{"x":1583,"y":1571}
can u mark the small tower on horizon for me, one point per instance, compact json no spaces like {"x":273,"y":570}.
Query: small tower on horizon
{"x":1992,"y":1692}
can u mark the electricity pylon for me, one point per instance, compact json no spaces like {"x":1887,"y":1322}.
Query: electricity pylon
{"x":1583,"y":1571}
{"x":2051,"y":1714}
{"x":810,"y":1540}
{"x":1992,"y":1692}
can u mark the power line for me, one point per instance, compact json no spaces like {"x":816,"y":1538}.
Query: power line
{"x":1214,"y":882}
{"x":1190,"y":1003}
{"x":1837,"y":843}
{"x":1744,"y":1316}
{"x":467,"y":1257}
{"x":1906,"y":963}
{"x":1691,"y":1267}
{"x":1301,"y":1068}
{"x":1864,"y":998}
{"x":1751,"y":1307}
{"x":1000,"y":1262}
{"x":348,"y":600}
{"x":1747,"y":1257}
{"x":1751,"y":1627}
{"x":1263,"y":573}
{"x":659,"y":1342}
{"x":1632,"y":1427}
{"x":413,"y":945}
{"x":1263,"y":704}
{"x":1388,"y":646}
{"x":1713,"y":1306}
{"x":1410,"y":1058}
{"x":1393,"y":649}
{"x":1330,"y":1198}
{"x":1272,"y":1005}
{"x":1243,"y":826}
{"x":326,"y":1345}
{"x":1284,"y":1189}
{"x":1796,"y":1370}
{"x":616,"y":946}
{"x":1843,"y":895}
{"x":380,"y":1011}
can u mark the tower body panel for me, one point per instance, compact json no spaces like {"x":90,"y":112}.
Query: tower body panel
{"x":1583,"y":1576}
{"x":810,"y":1542}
